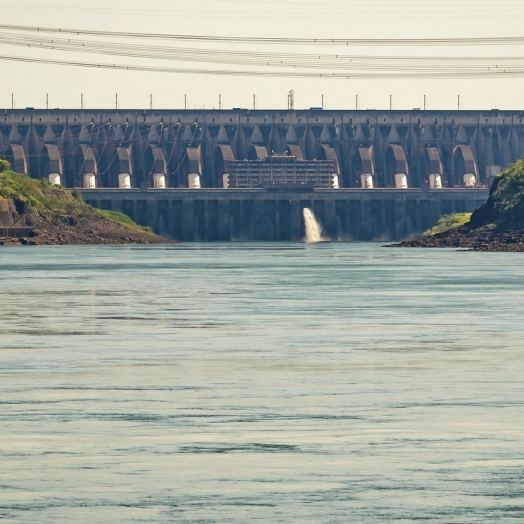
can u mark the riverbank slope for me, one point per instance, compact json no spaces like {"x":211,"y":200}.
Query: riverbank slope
{"x":35,"y":212}
{"x":498,"y":225}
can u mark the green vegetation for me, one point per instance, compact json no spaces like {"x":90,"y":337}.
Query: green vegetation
{"x":504,"y":208}
{"x":40,"y":194}
{"x":121,"y":218}
{"x":4,"y":166}
{"x":77,"y":195}
{"x":44,"y":198}
{"x":448,"y":222}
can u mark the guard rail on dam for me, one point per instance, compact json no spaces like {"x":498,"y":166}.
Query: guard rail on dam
{"x":265,"y":215}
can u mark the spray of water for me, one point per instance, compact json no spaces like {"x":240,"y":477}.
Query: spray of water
{"x":313,"y":229}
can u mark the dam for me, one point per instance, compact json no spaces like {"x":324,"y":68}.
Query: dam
{"x":248,"y":174}
{"x":265,"y":215}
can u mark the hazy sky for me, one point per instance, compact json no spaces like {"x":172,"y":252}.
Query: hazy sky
{"x":270,"y":18}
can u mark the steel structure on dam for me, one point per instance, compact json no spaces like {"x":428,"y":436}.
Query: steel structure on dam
{"x":402,"y":168}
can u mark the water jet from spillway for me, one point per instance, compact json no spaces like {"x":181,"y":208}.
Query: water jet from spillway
{"x":313,"y":228}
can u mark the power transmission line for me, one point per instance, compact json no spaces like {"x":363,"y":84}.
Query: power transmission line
{"x":459,"y":73}
{"x":401,"y":42}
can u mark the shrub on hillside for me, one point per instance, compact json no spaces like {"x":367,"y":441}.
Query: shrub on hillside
{"x":4,"y":166}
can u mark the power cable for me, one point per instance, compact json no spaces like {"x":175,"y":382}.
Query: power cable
{"x":383,"y":42}
{"x":494,"y":72}
{"x":243,"y":57}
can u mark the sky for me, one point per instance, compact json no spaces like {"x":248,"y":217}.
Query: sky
{"x":33,"y":84}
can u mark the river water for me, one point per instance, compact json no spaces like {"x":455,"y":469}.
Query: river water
{"x":268,"y":383}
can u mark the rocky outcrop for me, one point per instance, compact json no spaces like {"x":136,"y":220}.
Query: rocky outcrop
{"x":497,"y":225}
{"x":9,"y":216}
{"x":20,"y":225}
{"x":467,"y":238}
{"x":16,"y":222}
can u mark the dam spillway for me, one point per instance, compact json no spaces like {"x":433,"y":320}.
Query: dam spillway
{"x":366,"y":174}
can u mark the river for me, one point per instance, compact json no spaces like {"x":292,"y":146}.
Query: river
{"x":271,"y":383}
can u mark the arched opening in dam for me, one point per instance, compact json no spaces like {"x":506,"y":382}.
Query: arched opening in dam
{"x":222,"y":157}
{"x":16,"y":156}
{"x":396,"y":167}
{"x":51,"y":164}
{"x":155,"y":167}
{"x":465,"y":172}
{"x":86,"y":168}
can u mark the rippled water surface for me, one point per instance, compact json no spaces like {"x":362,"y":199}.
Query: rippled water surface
{"x":261,"y":383}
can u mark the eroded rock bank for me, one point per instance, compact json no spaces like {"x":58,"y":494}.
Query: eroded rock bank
{"x":69,"y":227}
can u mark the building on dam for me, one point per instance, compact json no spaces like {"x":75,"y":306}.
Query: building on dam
{"x":226,"y":174}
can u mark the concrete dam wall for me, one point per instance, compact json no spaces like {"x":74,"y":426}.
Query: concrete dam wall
{"x":180,"y":149}
{"x":267,"y":215}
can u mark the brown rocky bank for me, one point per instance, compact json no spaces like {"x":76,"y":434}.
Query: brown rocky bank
{"x":74,"y":225}
{"x":465,"y":237}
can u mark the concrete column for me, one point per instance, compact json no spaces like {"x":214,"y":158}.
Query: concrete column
{"x":206,"y":220}
{"x":400,"y":218}
{"x":153,"y":215}
{"x":295,"y":218}
{"x":235,"y":212}
{"x":176,"y":223}
{"x":366,"y":220}
{"x":428,"y":213}
{"x":260,"y":220}
{"x":117,"y":204}
{"x":277,"y":220}
{"x":212,"y":224}
{"x":241,"y":229}
{"x":128,"y":207}
{"x":188,"y":211}
{"x":330,"y":216}
{"x":223,"y":220}
{"x":247,"y":207}
{"x":413,"y":207}
{"x":389,"y":219}
{"x":284,"y":229}
{"x":270,"y":212}
{"x":200,"y":220}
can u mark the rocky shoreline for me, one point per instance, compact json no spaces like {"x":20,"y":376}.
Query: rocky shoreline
{"x":93,"y":234}
{"x":472,"y":240}
{"x":74,"y":225}
{"x":99,"y":234}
